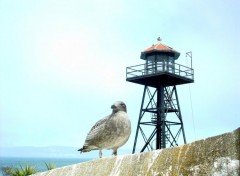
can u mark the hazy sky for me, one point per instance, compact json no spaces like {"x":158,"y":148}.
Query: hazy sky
{"x":62,"y":65}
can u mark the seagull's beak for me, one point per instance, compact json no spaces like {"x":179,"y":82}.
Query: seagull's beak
{"x":113,"y":106}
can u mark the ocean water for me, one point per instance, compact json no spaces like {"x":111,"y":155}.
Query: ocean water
{"x":38,"y":163}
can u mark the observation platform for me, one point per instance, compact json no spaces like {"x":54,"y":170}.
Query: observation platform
{"x":160,"y":73}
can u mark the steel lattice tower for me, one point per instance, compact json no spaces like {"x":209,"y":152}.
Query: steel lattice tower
{"x":160,"y":120}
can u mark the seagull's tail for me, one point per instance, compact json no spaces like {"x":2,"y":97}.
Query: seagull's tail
{"x":82,"y":150}
{"x":86,"y":149}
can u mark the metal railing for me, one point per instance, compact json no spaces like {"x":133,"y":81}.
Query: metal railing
{"x":153,"y":68}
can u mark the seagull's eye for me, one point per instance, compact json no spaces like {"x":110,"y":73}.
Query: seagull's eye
{"x":122,"y":104}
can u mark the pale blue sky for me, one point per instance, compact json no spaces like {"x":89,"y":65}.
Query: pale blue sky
{"x":62,"y":64}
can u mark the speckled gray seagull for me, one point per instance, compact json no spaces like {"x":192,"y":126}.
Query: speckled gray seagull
{"x":110,"y":132}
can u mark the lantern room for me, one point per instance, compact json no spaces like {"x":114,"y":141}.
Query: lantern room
{"x":159,"y":57}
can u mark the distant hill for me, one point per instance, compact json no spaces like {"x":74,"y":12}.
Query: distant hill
{"x":50,"y":151}
{"x":53,"y":151}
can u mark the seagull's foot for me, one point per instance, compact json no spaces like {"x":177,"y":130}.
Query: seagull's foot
{"x":115,"y":152}
{"x":100,"y":153}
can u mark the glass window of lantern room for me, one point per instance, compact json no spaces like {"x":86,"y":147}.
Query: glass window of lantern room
{"x":161,"y":62}
{"x":151,"y":64}
{"x":171,"y":65}
{"x":146,"y":67}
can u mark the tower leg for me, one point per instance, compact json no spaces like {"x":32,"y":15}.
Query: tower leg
{"x":139,"y":119}
{"x":180,"y":115}
{"x":160,"y":125}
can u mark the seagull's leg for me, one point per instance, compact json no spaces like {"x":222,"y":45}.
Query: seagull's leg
{"x":100,"y":153}
{"x":115,"y":152}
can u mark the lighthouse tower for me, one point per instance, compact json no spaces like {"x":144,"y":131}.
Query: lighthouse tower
{"x":160,"y":122}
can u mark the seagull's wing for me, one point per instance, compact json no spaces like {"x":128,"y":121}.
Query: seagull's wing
{"x":96,"y":130}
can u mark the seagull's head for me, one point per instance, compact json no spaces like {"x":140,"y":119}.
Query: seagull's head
{"x":119,"y":106}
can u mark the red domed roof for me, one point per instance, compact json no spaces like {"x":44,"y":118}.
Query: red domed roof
{"x":159,"y":48}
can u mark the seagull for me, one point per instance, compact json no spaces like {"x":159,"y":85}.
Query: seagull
{"x":110,"y":132}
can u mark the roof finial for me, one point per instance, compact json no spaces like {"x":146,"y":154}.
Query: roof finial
{"x":159,"y":39}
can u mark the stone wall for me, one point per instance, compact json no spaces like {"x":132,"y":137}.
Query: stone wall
{"x":217,"y":156}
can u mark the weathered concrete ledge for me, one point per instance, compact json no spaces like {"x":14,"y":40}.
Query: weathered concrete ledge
{"x":217,"y":156}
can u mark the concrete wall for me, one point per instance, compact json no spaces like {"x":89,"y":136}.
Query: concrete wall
{"x":216,"y":156}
